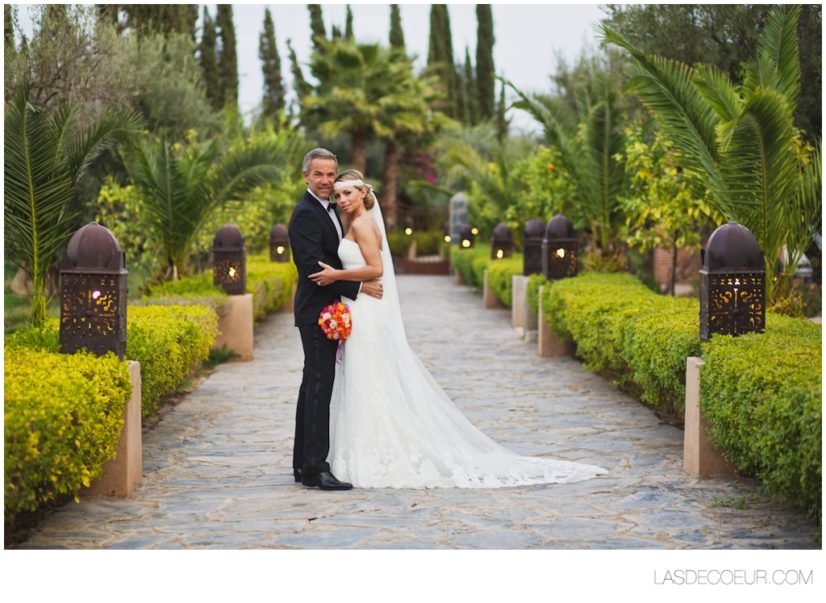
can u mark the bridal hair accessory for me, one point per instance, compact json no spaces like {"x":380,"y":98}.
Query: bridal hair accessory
{"x":340,"y":184}
{"x":336,"y":322}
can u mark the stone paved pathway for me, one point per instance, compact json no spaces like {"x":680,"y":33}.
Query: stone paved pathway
{"x":217,"y":471}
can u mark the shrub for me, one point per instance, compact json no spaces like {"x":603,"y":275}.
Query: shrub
{"x":62,"y":419}
{"x":470,"y":263}
{"x":765,"y":407}
{"x":398,"y":242}
{"x":168,"y":341}
{"x":271,"y":284}
{"x":500,"y":277}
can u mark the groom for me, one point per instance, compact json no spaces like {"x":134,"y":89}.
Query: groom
{"x":315,"y":232}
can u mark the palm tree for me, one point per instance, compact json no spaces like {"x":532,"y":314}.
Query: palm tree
{"x":589,"y":141}
{"x":181,"y":186}
{"x":406,"y":118}
{"x":45,"y":158}
{"x":739,"y":139}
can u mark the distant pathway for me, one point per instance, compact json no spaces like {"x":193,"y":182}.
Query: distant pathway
{"x":217,"y":469}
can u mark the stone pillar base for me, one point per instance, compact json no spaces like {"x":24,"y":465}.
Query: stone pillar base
{"x":235,"y":326}
{"x":700,"y":457}
{"x":489,"y":299}
{"x":289,"y":305}
{"x":122,"y":475}
{"x":548,"y":344}
{"x":458,"y":277}
{"x":522,"y":318}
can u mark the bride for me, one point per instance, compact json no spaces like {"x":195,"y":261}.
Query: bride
{"x":391,"y":425}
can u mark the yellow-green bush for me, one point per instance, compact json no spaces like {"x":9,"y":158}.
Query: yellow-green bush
{"x":500,"y":277}
{"x":62,"y":419}
{"x":271,"y":284}
{"x":761,"y":394}
{"x":471,"y":263}
{"x":169,"y":341}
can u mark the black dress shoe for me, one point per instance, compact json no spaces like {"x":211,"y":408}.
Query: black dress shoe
{"x":325,"y":481}
{"x":297,"y":475}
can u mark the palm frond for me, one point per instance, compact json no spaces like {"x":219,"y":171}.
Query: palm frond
{"x":666,"y":89}
{"x":777,"y":64}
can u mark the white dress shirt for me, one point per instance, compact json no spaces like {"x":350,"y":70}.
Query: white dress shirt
{"x":326,"y":204}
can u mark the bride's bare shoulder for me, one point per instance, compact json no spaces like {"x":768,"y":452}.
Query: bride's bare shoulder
{"x":363,"y":225}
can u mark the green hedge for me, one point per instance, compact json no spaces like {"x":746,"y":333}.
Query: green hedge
{"x":62,"y":419}
{"x":168,"y":341}
{"x":500,"y":277}
{"x":271,"y":284}
{"x":471,"y":263}
{"x":535,"y":281}
{"x":761,"y":394}
{"x":623,"y":330}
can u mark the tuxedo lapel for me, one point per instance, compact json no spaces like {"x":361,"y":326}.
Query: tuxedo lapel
{"x":322,"y":213}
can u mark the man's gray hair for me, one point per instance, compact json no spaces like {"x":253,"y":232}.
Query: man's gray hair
{"x":317,"y":153}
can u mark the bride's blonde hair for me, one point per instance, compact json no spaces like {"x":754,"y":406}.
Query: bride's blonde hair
{"x":370,"y":199}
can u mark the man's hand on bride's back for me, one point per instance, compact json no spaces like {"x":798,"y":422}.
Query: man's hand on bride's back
{"x":373,"y":288}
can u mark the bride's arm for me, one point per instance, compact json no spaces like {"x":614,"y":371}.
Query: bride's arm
{"x":368,"y":239}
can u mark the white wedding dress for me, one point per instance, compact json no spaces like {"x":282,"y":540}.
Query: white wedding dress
{"x":392,"y":426}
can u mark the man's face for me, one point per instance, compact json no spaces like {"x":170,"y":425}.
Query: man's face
{"x":321,"y":176}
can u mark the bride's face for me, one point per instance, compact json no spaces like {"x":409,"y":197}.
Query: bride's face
{"x":350,"y":199}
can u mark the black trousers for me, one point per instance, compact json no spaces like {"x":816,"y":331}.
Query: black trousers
{"x":312,"y":415}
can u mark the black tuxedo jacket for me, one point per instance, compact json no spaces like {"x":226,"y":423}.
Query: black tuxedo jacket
{"x":313,"y":238}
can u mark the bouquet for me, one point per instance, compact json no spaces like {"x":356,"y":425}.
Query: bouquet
{"x":335,"y":321}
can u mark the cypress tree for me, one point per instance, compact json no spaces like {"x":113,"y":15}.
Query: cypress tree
{"x":209,"y":62}
{"x":227,"y":57}
{"x":440,"y":56}
{"x":470,"y":90}
{"x":300,"y":85}
{"x":485,"y":71}
{"x":348,"y":28}
{"x":273,"y":100}
{"x":147,"y":19}
{"x":8,"y":28}
{"x":396,"y":31}
{"x":501,"y":122}
{"x":319,"y":32}
{"x":335,"y":32}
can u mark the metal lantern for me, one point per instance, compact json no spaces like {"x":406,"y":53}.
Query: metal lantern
{"x":93,"y":293}
{"x":466,"y":237}
{"x":229,"y":260}
{"x":279,"y":244}
{"x":559,"y":249}
{"x":501,"y":242}
{"x":532,"y":252}
{"x":732,"y":283}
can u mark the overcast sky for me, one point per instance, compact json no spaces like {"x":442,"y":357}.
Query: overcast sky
{"x":528,"y":38}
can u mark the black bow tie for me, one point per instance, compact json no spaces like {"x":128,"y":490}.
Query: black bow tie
{"x":331,"y":207}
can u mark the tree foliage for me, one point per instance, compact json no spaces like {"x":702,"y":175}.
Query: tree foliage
{"x":227,"y":57}
{"x":485,"y":70}
{"x":740,"y":139}
{"x":208,"y":59}
{"x":45,"y":156}
{"x":273,"y":101}
{"x":396,"y":31}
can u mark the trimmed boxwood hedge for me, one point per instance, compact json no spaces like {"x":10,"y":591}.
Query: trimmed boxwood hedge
{"x":500,"y":277}
{"x":169,"y":342}
{"x":764,"y":408}
{"x":761,"y":394}
{"x":271,"y":284}
{"x":62,"y":419}
{"x":472,"y":263}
